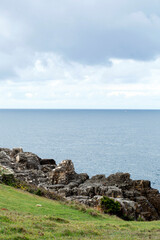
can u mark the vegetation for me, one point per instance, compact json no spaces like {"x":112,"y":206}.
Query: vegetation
{"x":3,"y":170}
{"x":110,"y":206}
{"x":27,"y":216}
{"x":11,"y":181}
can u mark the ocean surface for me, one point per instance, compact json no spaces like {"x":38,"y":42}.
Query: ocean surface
{"x":97,"y":141}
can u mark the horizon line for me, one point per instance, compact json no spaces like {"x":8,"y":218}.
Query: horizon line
{"x":122,"y":109}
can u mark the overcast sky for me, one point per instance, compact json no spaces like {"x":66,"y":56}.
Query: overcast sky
{"x":80,"y":54}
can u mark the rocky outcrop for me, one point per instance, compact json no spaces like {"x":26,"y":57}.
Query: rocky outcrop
{"x":65,"y":174}
{"x":136,"y":197}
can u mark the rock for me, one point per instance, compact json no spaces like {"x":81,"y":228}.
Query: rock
{"x":48,"y":162}
{"x":72,"y":185}
{"x":56,"y":186}
{"x":130,"y":210}
{"x":113,"y":192}
{"x":99,"y":177}
{"x":79,"y":199}
{"x":38,"y":205}
{"x":7,"y":151}
{"x":146,"y":208}
{"x":6,"y":170}
{"x":138,"y":200}
{"x":141,"y":185}
{"x":5,"y":159}
{"x":47,"y":168}
{"x":47,"y":165}
{"x":63,"y":173}
{"x":119,"y":179}
{"x":86,"y":191}
{"x":15,"y":151}
{"x":153,"y":197}
{"x":27,"y":160}
{"x":65,"y":192}
{"x":80,"y":178}
{"x":6,"y":175}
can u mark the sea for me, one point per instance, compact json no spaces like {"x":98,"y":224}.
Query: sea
{"x":97,"y":141}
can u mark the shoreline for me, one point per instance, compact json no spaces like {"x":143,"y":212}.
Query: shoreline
{"x":136,"y":197}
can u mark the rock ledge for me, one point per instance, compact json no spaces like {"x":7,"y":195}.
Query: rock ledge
{"x":138,"y":200}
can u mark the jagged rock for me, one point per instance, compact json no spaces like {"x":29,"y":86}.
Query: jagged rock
{"x":141,"y":185}
{"x":63,"y":173}
{"x":47,"y":168}
{"x":132,"y":194}
{"x":56,"y":186}
{"x":129,"y":209}
{"x":137,"y":198}
{"x":79,"y":199}
{"x":15,"y":151}
{"x":47,"y":165}
{"x":6,"y":170}
{"x":153,"y":197}
{"x":80,"y":178}
{"x":7,"y":151}
{"x":147,"y":207}
{"x":65,"y":192}
{"x":28,"y":160}
{"x":119,"y":179}
{"x":6,"y":174}
{"x":113,"y":192}
{"x":72,"y":185}
{"x":5,"y":159}
{"x":99,"y":178}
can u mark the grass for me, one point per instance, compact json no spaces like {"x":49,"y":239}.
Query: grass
{"x":4,"y":170}
{"x":26,"y":216}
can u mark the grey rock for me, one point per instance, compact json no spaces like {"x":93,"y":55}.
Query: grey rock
{"x":63,"y":173}
{"x":137,"y":198}
{"x":28,"y":160}
{"x":130,"y":209}
{"x":15,"y":151}
{"x":5,"y":159}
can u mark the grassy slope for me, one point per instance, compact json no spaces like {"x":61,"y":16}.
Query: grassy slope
{"x":20,"y":218}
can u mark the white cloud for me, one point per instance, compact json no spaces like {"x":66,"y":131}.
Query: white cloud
{"x":79,"y":54}
{"x":52,"y":82}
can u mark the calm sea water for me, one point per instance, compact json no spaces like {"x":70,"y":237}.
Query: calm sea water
{"x":97,"y":141}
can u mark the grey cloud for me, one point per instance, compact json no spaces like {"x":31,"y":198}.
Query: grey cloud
{"x":88,"y":31}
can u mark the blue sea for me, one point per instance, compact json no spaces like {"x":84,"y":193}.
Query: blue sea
{"x":97,"y":141}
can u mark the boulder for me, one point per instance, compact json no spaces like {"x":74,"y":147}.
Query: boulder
{"x":63,"y":173}
{"x":47,"y":168}
{"x":7,"y":151}
{"x":148,"y":211}
{"x":138,"y":200}
{"x":153,"y":197}
{"x":47,"y":165}
{"x":15,"y":151}
{"x":5,"y":159}
{"x":119,"y":179}
{"x":27,"y":160}
{"x":130,"y":210}
{"x":6,"y":175}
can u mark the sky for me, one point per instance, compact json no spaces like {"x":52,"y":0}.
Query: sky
{"x":80,"y":54}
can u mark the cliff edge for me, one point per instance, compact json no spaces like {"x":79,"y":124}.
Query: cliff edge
{"x":136,"y":197}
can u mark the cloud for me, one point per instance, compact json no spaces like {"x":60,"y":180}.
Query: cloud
{"x":52,"y":67}
{"x":79,"y":54}
{"x":52,"y":82}
{"x":84,"y":31}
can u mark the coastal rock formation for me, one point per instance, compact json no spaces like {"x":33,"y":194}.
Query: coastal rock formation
{"x":136,"y":197}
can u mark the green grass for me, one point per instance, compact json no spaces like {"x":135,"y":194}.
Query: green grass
{"x":21,"y":218}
